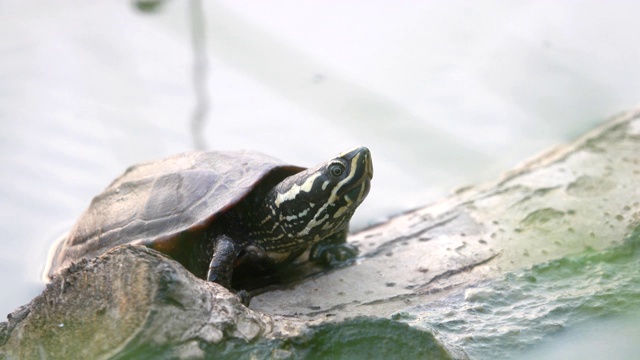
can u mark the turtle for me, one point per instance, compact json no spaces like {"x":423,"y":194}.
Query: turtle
{"x":212,"y":210}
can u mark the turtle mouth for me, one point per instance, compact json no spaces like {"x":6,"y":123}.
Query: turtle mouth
{"x":358,"y":192}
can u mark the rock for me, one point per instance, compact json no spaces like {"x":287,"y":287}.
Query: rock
{"x":135,"y":302}
{"x":575,"y":197}
{"x":130,"y":301}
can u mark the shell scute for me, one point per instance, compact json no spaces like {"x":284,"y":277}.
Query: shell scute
{"x":153,"y":203}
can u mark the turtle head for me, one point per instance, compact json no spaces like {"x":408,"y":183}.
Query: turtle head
{"x":320,"y":201}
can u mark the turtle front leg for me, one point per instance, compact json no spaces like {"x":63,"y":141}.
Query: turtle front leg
{"x":221,"y":267}
{"x":333,"y":249}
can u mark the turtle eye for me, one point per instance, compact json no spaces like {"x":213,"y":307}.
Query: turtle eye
{"x":336,"y":169}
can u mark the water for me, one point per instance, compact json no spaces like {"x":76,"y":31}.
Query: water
{"x":519,"y":313}
{"x":444,"y":94}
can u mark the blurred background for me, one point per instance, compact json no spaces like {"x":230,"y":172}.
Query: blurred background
{"x":445,"y":94}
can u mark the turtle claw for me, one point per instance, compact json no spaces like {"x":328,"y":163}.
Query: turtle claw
{"x":245,"y":297}
{"x":333,"y":254}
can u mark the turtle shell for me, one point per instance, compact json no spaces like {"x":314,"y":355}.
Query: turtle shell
{"x":153,"y":203}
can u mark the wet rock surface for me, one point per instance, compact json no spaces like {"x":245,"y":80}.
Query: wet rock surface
{"x":135,"y":302}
